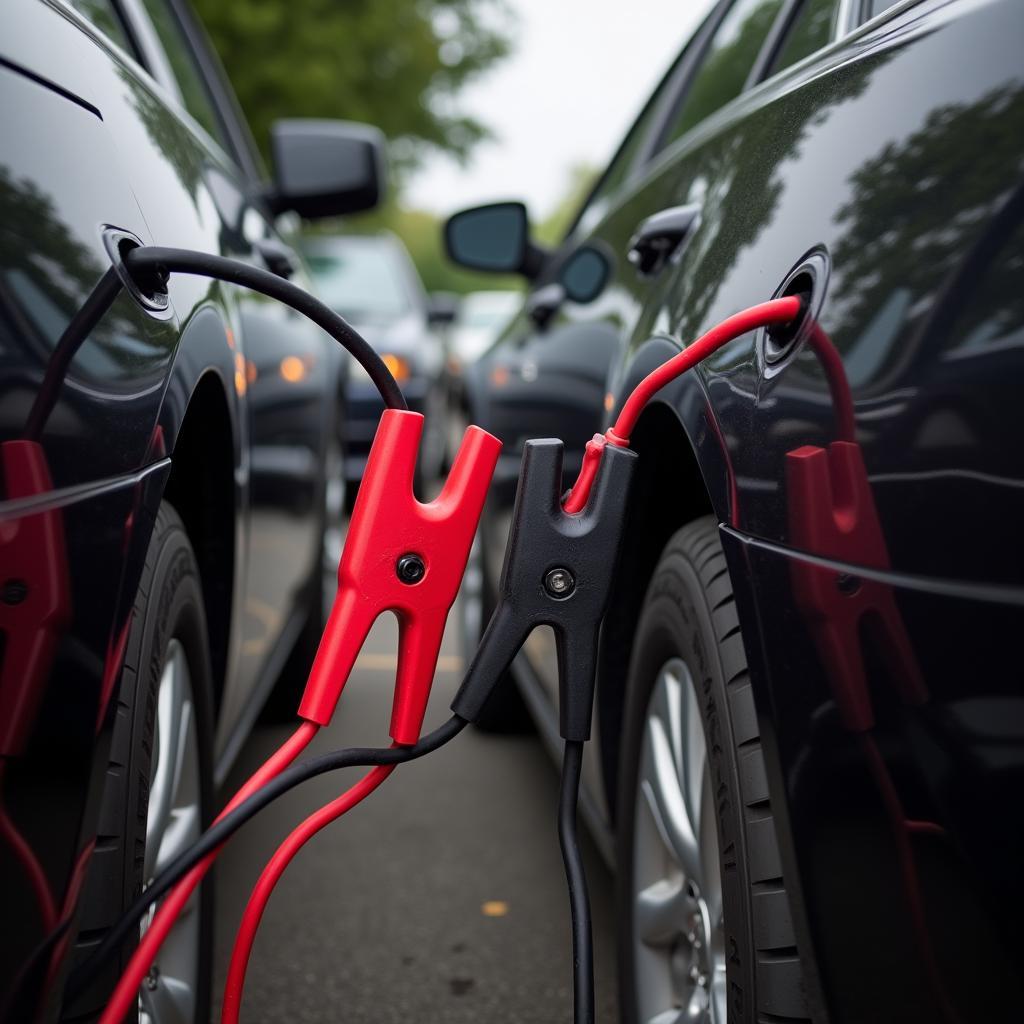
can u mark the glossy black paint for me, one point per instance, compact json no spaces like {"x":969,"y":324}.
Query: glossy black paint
{"x":896,"y":156}
{"x":196,"y":404}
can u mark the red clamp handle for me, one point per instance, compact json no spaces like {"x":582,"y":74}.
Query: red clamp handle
{"x":832,"y":513}
{"x":35,"y":567}
{"x":390,"y":526}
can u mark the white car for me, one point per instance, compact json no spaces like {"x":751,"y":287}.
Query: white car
{"x":478,"y":322}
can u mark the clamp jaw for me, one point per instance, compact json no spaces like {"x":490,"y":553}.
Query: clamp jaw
{"x":558,"y":572}
{"x":832,"y":514}
{"x":402,"y":556}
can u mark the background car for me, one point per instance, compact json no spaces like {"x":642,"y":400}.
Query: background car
{"x":163,"y":504}
{"x":480,"y":318}
{"x":809,"y":732}
{"x":370,"y":280}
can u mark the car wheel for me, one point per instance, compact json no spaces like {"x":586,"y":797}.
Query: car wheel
{"x":158,"y":794}
{"x":703,"y":916}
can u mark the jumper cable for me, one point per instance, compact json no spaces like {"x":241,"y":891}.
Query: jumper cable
{"x":577,"y":545}
{"x":435,"y":540}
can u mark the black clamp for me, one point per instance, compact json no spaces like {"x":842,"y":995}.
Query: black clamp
{"x":558,"y":572}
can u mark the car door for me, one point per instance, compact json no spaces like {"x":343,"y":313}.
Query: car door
{"x":865,"y":175}
{"x":550,"y":376}
{"x":283,"y":367}
{"x":81,"y":461}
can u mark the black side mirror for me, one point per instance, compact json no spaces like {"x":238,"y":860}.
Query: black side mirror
{"x":326,"y":168}
{"x":441,"y":308}
{"x":494,"y":238}
{"x":585,"y":273}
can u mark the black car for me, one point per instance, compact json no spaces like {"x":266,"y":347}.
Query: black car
{"x":809,"y":731}
{"x":163,"y":492}
{"x":371,"y":281}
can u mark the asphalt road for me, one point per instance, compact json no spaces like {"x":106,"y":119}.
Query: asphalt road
{"x":439,"y":899}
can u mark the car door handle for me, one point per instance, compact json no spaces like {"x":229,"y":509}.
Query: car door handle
{"x":659,"y":237}
{"x":277,"y":257}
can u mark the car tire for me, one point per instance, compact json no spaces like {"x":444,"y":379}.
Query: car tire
{"x":703,"y":916}
{"x":154,"y":805}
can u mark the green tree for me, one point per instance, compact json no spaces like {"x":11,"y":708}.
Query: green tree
{"x":398,"y":64}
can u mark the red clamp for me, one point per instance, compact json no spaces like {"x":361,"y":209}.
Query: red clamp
{"x":36,"y":603}
{"x":402,"y":556}
{"x":832,"y":513}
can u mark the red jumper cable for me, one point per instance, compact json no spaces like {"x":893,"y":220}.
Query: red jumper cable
{"x":425,"y":547}
{"x":764,"y":314}
{"x":271,"y":875}
{"x":396,"y":546}
{"x":400,"y":555}
{"x":391,"y":537}
{"x":342,"y":654}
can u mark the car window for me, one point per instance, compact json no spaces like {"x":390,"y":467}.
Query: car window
{"x":871,"y":8}
{"x":195,"y":94}
{"x":730,"y":56}
{"x":625,"y":161}
{"x":103,"y":15}
{"x":360,"y":281}
{"x":809,"y":29}
{"x":628,"y":152}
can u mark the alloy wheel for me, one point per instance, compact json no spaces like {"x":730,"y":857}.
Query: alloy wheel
{"x":173,"y":822}
{"x":678,"y":935}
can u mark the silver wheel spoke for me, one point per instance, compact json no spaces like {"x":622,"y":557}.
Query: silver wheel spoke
{"x":181,"y":832}
{"x":661,"y":790}
{"x":677,"y":909}
{"x":166,"y":751}
{"x":693,"y":756}
{"x":170,"y":1001}
{"x":659,"y":909}
{"x":173,"y":822}
{"x":673,"y":1016}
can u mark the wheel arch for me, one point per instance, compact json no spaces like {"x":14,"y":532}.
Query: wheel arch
{"x":201,"y":489}
{"x":669,"y":491}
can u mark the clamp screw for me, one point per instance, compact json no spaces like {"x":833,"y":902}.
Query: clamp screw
{"x":847,"y":584}
{"x":14,"y":591}
{"x":559,"y":583}
{"x":411,"y":569}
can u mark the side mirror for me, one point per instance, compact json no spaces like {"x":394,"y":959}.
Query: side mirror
{"x":442,"y":308}
{"x":326,"y":168}
{"x":494,"y":238}
{"x":585,"y":273}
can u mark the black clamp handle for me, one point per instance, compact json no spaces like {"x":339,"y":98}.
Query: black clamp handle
{"x":558,"y":572}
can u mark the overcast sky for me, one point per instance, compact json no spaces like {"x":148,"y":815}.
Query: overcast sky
{"x":580,"y":72}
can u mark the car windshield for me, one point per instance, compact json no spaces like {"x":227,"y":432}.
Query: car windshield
{"x":362,"y":282}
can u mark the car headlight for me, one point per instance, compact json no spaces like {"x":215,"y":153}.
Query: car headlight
{"x":399,"y":368}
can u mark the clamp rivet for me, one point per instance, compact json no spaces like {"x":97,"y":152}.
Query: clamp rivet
{"x":410,"y":569}
{"x":14,"y":591}
{"x":847,"y":584}
{"x":559,"y":583}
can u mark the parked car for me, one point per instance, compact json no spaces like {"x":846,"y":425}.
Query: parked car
{"x":809,"y":731}
{"x":163,"y":502}
{"x":371,"y":281}
{"x":480,"y":318}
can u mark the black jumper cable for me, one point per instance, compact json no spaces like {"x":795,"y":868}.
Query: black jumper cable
{"x":558,"y":571}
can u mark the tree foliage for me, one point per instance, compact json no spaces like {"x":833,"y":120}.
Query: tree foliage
{"x":398,"y":64}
